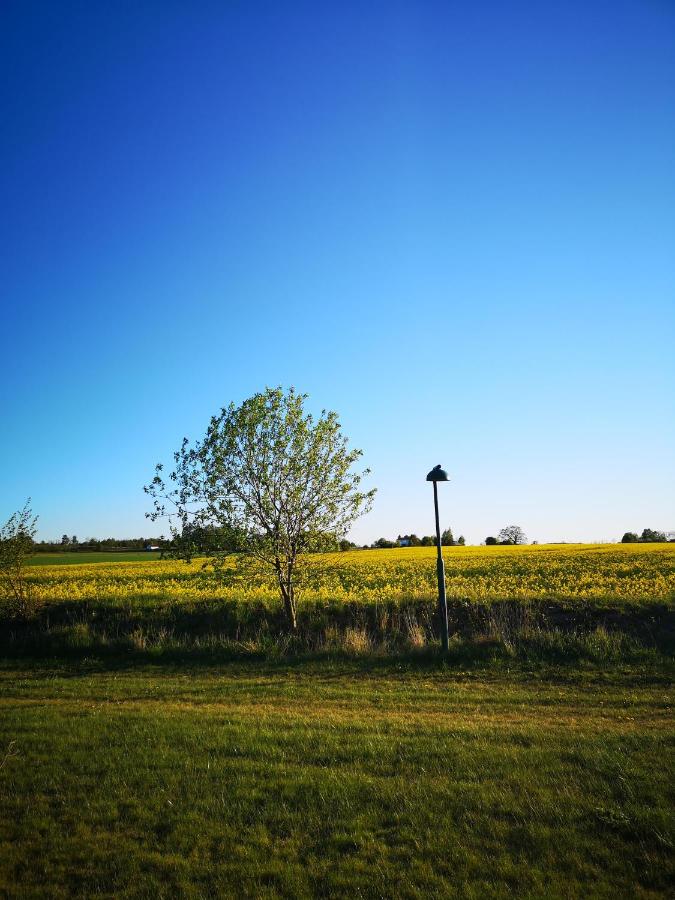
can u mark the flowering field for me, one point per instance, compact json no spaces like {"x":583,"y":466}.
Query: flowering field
{"x":642,"y":573}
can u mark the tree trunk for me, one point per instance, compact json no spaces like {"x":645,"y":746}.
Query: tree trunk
{"x":287,"y":595}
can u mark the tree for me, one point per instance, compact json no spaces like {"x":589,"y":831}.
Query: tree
{"x":461,"y":540}
{"x":512,"y":534}
{"x":649,"y":536}
{"x":383,"y":544}
{"x":490,"y":541}
{"x":65,"y":540}
{"x":270,"y":473}
{"x":428,"y":541}
{"x":16,"y":545}
{"x":630,"y":538}
{"x":74,"y":540}
{"x":447,"y":540}
{"x":415,"y":541}
{"x":205,"y":540}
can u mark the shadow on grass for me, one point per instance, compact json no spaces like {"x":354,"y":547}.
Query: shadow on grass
{"x":357,"y":637}
{"x":484,"y":658}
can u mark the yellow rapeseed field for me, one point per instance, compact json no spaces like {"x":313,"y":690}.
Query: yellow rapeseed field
{"x":639,"y":573}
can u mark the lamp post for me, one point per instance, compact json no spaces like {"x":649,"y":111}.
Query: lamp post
{"x":437,"y":474}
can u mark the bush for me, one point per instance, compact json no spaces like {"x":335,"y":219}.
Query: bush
{"x":16,"y":545}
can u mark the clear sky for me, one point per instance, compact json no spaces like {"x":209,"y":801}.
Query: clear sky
{"x":452,"y":222}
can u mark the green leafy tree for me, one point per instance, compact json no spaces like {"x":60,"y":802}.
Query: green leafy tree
{"x":65,"y":540}
{"x":16,"y":545}
{"x":461,"y":540}
{"x":428,"y":541}
{"x":447,"y":540}
{"x":630,"y":538}
{"x":270,"y":473}
{"x":490,"y":541}
{"x":649,"y":536}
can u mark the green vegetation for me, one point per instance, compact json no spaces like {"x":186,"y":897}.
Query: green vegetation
{"x":84,"y":557}
{"x":164,"y":734}
{"x":17,"y":598}
{"x":150,"y":627}
{"x":648,"y":536}
{"x":342,"y":778}
{"x":576,"y":602}
{"x":276,"y":480}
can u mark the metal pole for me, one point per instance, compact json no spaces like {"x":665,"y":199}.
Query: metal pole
{"x":440,"y":569}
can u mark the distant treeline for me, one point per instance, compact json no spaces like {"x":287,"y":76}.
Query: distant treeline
{"x":213,"y":540}
{"x":205,"y":540}
{"x":412,"y":540}
{"x":648,"y":536}
{"x":72,"y":544}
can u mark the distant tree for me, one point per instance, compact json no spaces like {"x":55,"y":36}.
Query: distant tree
{"x":415,"y":541}
{"x":428,"y":541}
{"x":65,"y":540}
{"x":461,"y":541}
{"x":74,"y":540}
{"x":630,"y":538}
{"x":347,"y":545}
{"x":16,"y":545}
{"x":649,"y":536}
{"x":447,"y":540}
{"x":512,"y":534}
{"x":383,"y":544}
{"x":272,"y":472}
{"x":490,"y":541}
{"x":203,"y":540}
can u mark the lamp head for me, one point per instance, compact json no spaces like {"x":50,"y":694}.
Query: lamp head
{"x":438,"y":474}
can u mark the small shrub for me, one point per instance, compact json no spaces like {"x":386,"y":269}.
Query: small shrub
{"x":17,"y":595}
{"x":78,"y":636}
{"x":417,"y":638}
{"x":356,"y":640}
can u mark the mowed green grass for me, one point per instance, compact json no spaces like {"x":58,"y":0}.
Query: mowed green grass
{"x":85,"y":557}
{"x":335,"y":778}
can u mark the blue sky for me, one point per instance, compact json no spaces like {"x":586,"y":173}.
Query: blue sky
{"x":453,"y":223}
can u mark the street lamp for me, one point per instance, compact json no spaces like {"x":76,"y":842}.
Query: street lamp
{"x":437,"y":474}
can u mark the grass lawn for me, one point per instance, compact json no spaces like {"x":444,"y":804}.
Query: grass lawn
{"x":84,"y":557}
{"x":335,"y":778}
